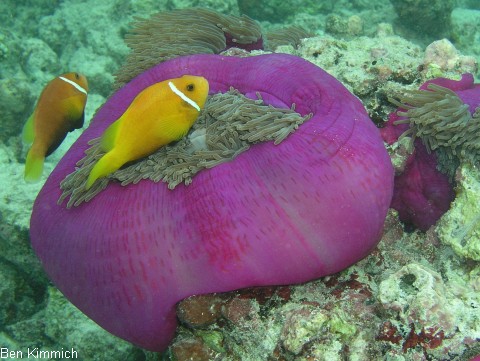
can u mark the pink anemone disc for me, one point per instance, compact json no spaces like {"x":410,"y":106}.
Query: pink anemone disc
{"x":277,"y":214}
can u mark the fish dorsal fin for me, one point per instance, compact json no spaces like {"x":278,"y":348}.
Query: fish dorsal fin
{"x":109,"y":137}
{"x":28,"y":133}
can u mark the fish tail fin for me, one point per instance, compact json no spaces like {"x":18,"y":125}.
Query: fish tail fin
{"x":33,"y":166}
{"x":28,"y":133}
{"x":106,"y":165}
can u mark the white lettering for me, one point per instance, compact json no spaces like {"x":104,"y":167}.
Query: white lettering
{"x":35,"y":353}
{"x":6,"y":353}
{"x":32,"y":353}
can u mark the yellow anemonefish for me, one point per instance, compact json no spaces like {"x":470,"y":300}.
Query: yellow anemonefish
{"x":159,"y":114}
{"x":59,"y":110}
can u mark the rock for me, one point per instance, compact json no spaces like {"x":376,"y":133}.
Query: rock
{"x":466,"y":28}
{"x":417,"y":294}
{"x":460,"y":226}
{"x":200,"y":311}
{"x":68,"y":327}
{"x":430,"y":17}
{"x":442,"y":57}
{"x":16,"y":102}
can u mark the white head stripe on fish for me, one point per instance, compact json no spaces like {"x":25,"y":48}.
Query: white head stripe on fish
{"x":78,"y":87}
{"x":183,"y":96}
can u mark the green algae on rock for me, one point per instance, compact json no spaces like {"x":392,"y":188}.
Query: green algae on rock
{"x":415,"y":293}
{"x":89,"y":339}
{"x":433,"y":307}
{"x":464,"y":31}
{"x":279,"y":10}
{"x":460,"y":226}
{"x":425,"y":16}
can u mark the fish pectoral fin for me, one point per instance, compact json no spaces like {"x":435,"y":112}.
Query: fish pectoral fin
{"x":28,"y":133}
{"x":33,"y":166}
{"x":78,"y":123}
{"x":109,"y":137}
{"x":171,"y":131}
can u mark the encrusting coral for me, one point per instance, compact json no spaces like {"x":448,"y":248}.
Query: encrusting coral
{"x":226,"y":127}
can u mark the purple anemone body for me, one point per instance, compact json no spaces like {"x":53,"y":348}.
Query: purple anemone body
{"x":277,"y":214}
{"x":422,"y":193}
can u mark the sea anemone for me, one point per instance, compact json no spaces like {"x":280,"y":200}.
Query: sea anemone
{"x":203,"y":31}
{"x":443,"y":115}
{"x":441,"y":119}
{"x":291,"y":35}
{"x":307,"y":207}
{"x":228,"y":125}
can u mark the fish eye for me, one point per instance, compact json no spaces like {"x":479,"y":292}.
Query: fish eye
{"x":77,"y":76}
{"x":190,"y":87}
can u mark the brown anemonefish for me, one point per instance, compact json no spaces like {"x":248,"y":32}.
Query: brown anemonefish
{"x":160,"y":114}
{"x":59,"y":110}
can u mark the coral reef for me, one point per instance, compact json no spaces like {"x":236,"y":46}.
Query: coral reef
{"x":368,"y":66}
{"x":442,"y":58}
{"x":428,"y":17}
{"x":278,"y":10}
{"x":251,"y":324}
{"x":102,"y":48}
{"x":340,"y":26}
{"x":419,"y":297}
{"x":15,"y":102}
{"x":465,"y":28}
{"x":460,"y":227}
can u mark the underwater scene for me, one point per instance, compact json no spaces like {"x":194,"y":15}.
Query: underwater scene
{"x":288,"y":180}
